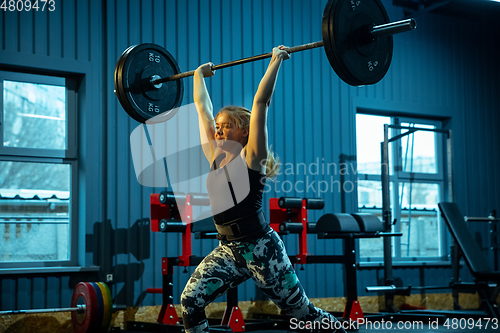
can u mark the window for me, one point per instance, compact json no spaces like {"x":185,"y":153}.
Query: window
{"x":38,"y":168}
{"x":417,"y":184}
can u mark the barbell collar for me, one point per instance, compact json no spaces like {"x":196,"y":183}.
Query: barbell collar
{"x":393,"y":28}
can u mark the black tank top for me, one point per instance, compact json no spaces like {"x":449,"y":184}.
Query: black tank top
{"x":234,"y":190}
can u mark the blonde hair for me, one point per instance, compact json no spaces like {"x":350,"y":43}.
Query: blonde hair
{"x":241,"y":118}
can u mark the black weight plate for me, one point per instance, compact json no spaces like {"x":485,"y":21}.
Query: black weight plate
{"x":134,"y":90}
{"x":355,"y":57}
{"x":119,"y":89}
{"x":328,"y":41}
{"x":339,"y":69}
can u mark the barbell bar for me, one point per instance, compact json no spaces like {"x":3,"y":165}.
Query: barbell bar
{"x":357,"y":40}
{"x":373,"y":33}
{"x":93,"y":316}
{"x":80,"y":308}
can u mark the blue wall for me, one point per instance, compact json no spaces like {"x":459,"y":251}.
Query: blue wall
{"x":446,"y":69}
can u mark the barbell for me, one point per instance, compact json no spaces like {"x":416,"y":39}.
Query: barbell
{"x":357,"y":39}
{"x":91,"y":308}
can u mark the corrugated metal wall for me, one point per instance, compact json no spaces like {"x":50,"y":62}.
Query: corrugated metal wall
{"x":444,"y":69}
{"x":65,"y":42}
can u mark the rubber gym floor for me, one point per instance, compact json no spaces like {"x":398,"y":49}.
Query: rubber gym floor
{"x":418,"y":323}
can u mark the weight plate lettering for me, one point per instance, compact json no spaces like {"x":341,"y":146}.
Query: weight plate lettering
{"x":137,"y":67}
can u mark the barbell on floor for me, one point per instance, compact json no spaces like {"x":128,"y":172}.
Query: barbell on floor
{"x":91,"y":308}
{"x":357,"y":39}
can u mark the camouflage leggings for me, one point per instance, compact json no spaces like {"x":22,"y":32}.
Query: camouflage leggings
{"x":264,"y":260}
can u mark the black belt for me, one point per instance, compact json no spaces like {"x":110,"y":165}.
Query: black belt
{"x":243,"y":227}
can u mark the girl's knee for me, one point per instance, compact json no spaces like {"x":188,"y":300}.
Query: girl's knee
{"x":190,"y":301}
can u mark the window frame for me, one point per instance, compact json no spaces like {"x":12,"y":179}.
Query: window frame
{"x":71,"y":123}
{"x":68,"y":156}
{"x":397,"y":176}
{"x":439,"y":175}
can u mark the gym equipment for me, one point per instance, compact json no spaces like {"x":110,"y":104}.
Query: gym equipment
{"x":386,"y":197}
{"x":494,"y":245}
{"x":310,"y":203}
{"x":174,"y":213}
{"x":335,"y":223}
{"x":357,"y":39}
{"x":289,"y":215}
{"x":389,"y":288}
{"x":477,"y":263}
{"x":368,"y":222}
{"x":91,"y":308}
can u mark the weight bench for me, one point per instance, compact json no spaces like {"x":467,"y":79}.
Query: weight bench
{"x":477,"y":263}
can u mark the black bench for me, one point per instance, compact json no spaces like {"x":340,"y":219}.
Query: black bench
{"x":487,"y":282}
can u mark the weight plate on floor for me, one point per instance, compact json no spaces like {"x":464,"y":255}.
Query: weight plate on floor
{"x":105,"y":307}
{"x":135,"y":69}
{"x":109,"y":302}
{"x":108,"y":305}
{"x":85,"y":322}
{"x":356,"y":57}
{"x":100,"y":306}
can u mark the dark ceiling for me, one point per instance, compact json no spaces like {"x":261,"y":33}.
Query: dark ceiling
{"x":470,"y":9}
